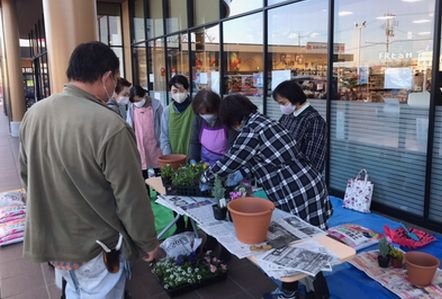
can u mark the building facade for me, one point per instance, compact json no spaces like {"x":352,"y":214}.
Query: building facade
{"x":371,"y":68}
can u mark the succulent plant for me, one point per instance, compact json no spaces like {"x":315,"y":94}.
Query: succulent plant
{"x":218,"y":192}
{"x":396,"y":253}
{"x":384,"y":247}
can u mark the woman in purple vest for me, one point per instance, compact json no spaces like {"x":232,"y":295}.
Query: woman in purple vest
{"x":209,"y":139}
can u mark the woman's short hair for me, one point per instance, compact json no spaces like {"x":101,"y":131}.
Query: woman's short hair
{"x":291,"y":91}
{"x":207,"y":101}
{"x":234,"y":109}
{"x":138,"y":91}
{"x":178,"y":79}
{"x":121,"y":83}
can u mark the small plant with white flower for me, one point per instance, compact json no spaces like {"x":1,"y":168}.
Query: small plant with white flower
{"x":188,"y":270}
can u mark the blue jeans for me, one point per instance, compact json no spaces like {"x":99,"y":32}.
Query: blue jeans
{"x":92,"y":280}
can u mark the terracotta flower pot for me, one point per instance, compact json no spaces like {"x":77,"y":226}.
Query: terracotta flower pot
{"x":421,"y":267}
{"x":174,"y":160}
{"x":251,"y":217}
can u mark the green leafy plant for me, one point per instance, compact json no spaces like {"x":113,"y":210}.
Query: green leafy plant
{"x":396,"y":253}
{"x":188,"y":175}
{"x":218,"y":189}
{"x":384,"y":247}
{"x":167,"y":172}
{"x":187,"y":270}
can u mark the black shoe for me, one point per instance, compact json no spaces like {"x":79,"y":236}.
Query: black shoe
{"x":127,"y":295}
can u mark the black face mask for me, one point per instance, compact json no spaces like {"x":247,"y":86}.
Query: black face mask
{"x":182,"y":106}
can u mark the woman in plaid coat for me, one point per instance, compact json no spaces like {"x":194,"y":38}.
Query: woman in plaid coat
{"x":268,"y":151}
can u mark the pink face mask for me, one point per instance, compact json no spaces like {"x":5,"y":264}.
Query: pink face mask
{"x":287,"y":109}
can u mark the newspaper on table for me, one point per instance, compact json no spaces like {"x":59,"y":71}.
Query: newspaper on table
{"x":181,"y":244}
{"x":286,"y":229}
{"x":284,"y":225}
{"x":181,"y":204}
{"x":395,"y":279}
{"x":307,"y":257}
{"x":224,"y":233}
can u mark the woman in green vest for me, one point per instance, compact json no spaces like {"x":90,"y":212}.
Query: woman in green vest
{"x":177,"y":118}
{"x":176,"y":124}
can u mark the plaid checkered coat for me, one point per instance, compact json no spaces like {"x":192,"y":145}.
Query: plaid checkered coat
{"x":309,"y":130}
{"x":270,"y":153}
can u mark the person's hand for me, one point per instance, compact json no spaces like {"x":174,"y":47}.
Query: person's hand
{"x":153,"y":255}
{"x":204,"y":187}
{"x":234,"y":179}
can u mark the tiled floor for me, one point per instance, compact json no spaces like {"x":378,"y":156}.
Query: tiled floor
{"x":22,"y":279}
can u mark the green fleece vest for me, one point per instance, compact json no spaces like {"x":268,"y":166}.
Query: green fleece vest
{"x":179,"y":129}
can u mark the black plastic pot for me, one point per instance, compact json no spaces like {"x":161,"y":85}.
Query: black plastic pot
{"x":383,"y":261}
{"x":219,"y":213}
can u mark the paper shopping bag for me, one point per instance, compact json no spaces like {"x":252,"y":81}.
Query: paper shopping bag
{"x":358,"y":193}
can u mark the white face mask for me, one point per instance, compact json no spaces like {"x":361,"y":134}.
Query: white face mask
{"x":209,"y":118}
{"x":140,"y":103}
{"x":287,"y":109}
{"x":179,"y":97}
{"x":123,"y":100}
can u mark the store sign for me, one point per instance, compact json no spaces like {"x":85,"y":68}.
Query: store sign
{"x":395,"y":55}
{"x":338,"y":48}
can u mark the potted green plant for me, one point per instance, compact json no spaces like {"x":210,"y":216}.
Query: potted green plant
{"x":220,"y":208}
{"x":396,"y":257}
{"x":186,"y":179}
{"x":167,"y":174}
{"x":187,"y":273}
{"x":384,"y":250}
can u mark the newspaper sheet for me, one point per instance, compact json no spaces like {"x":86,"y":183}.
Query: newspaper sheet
{"x":286,"y":229}
{"x":284,"y":225}
{"x":203,"y":215}
{"x":395,"y":279}
{"x":224,"y":232}
{"x":301,"y":228}
{"x":278,"y":272}
{"x":181,"y":204}
{"x":297,"y":259}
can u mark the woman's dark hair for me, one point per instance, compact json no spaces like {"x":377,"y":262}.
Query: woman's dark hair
{"x":234,"y":108}
{"x":291,"y":91}
{"x":179,"y":79}
{"x":121,"y":83}
{"x":206,"y":100}
{"x":90,"y":61}
{"x":138,"y":91}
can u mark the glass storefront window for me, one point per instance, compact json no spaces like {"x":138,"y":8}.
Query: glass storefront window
{"x":205,"y":59}
{"x":271,"y":2}
{"x":206,"y":11}
{"x":155,"y":20}
{"x":157,"y":70}
{"x":138,"y":20}
{"x":236,"y":7}
{"x":178,"y":55}
{"x":102,"y":26}
{"x":110,"y":29}
{"x":119,"y":52}
{"x":177,"y":17}
{"x":435,"y":213}
{"x":140,"y":65}
{"x":115,"y":36}
{"x":243,"y":48}
{"x":379,"y":117}
{"x":298,"y":50}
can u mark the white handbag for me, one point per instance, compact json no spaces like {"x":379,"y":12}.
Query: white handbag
{"x":359,"y":192}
